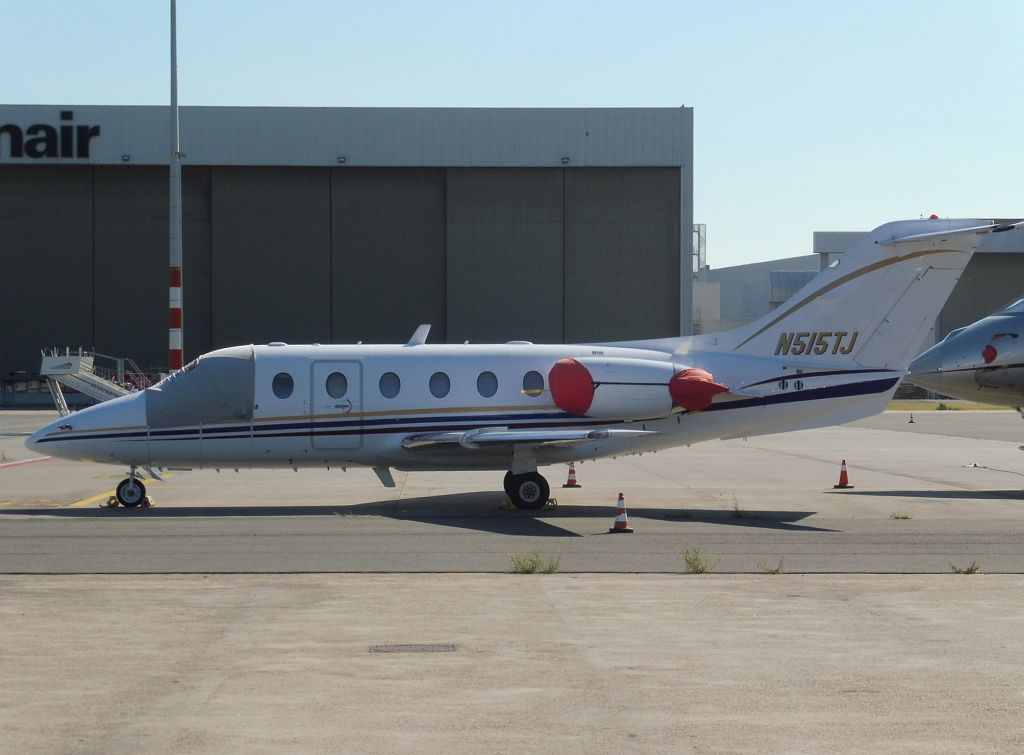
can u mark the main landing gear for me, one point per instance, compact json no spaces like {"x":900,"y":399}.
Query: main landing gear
{"x":131,"y":492}
{"x":528,"y":491}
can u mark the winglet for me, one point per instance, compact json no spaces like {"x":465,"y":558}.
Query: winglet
{"x":420,"y":336}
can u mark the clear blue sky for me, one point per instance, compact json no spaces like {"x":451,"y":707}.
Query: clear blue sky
{"x":808,"y":115}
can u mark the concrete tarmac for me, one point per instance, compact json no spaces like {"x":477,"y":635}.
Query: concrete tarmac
{"x":488,"y":663}
{"x":954,"y":481}
{"x":542,"y":663}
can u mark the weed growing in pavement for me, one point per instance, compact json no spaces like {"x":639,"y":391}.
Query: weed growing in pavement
{"x":739,"y":513}
{"x":899,"y":515}
{"x":696,"y":562}
{"x":532,"y":563}
{"x":972,"y":569}
{"x":777,"y":569}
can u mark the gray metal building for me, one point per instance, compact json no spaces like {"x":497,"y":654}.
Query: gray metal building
{"x":343,"y":224}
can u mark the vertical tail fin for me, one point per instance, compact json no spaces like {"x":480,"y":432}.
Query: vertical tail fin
{"x":873,"y":306}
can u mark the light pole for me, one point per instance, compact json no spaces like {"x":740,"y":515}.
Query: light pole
{"x":175,"y":360}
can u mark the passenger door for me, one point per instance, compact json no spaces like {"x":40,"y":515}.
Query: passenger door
{"x":336,"y":400}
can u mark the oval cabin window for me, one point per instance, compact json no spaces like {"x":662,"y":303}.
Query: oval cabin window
{"x":440,"y":384}
{"x":337,"y":385}
{"x":390,"y":385}
{"x":283,"y":385}
{"x":487,"y":384}
{"x":533,"y":383}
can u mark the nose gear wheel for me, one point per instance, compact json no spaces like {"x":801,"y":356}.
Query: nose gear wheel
{"x":130,"y":492}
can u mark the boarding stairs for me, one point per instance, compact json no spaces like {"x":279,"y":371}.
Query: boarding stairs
{"x":79,"y":371}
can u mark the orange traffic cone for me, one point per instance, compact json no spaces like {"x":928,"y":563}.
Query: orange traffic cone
{"x":621,"y":519}
{"x":571,"y":482}
{"x":844,"y":480}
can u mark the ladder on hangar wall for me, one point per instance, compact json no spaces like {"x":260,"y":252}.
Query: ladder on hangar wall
{"x":77,"y":370}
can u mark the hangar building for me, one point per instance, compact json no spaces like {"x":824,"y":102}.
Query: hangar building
{"x":342,"y":224}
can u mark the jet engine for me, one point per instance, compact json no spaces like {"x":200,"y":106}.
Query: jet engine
{"x":628,"y":389}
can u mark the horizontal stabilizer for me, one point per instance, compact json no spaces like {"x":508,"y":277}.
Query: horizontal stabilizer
{"x":978,"y":230}
{"x":502,"y":435}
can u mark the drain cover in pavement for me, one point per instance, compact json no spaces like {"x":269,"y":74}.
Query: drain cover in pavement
{"x":437,"y":647}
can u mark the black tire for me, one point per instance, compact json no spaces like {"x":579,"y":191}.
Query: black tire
{"x":529,"y":491}
{"x":506,"y":484}
{"x":131,"y":494}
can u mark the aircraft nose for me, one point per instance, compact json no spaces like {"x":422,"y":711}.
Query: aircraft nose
{"x":112,"y":431}
{"x":32,"y":441}
{"x":37,"y":443}
{"x":929,"y":361}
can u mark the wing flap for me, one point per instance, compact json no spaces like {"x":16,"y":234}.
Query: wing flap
{"x":503,"y":436}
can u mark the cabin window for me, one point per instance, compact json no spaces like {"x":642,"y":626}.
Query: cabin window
{"x":390,"y":385}
{"x":533,"y":383}
{"x":440,"y":384}
{"x":337,"y":385}
{"x":283,"y":385}
{"x":487,"y":384}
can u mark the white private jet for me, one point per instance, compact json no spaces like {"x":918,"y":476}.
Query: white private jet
{"x":833,"y":353}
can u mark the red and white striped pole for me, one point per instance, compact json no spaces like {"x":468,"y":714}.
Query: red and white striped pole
{"x":175,"y":359}
{"x":174,"y":336}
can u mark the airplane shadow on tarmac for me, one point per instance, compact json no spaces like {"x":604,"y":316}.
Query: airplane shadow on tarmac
{"x":482,"y":511}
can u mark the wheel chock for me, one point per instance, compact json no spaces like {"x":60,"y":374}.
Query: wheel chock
{"x":110,"y":503}
{"x":507,"y":505}
{"x":147,"y":502}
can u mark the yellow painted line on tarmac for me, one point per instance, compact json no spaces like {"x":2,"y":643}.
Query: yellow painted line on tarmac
{"x":100,"y":497}
{"x":92,"y":499}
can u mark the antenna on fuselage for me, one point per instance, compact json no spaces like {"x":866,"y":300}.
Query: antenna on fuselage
{"x":420,"y":336}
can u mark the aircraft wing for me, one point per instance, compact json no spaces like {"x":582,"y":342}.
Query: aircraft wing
{"x":490,"y":436}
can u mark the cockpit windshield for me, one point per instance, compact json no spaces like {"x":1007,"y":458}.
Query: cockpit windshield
{"x":171,"y":377}
{"x":1014,"y":308}
{"x":217,"y":387}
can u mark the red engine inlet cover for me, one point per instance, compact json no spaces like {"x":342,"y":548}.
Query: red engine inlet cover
{"x":572,"y":386}
{"x":693,"y":389}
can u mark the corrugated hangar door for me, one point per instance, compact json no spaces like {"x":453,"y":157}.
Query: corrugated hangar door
{"x":271,"y":255}
{"x":131,"y":262}
{"x":46,"y":270}
{"x":504,"y":254}
{"x":387,"y":253}
{"x":621,"y":253}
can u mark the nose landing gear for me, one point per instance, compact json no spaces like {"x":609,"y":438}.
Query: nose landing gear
{"x":131,"y":492}
{"x":529,"y":491}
